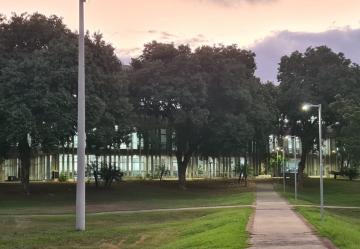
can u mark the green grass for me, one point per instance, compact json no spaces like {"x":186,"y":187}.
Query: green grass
{"x":205,"y":228}
{"x":223,"y":228}
{"x":55,"y":198}
{"x":341,"y":226}
{"x":336,"y":192}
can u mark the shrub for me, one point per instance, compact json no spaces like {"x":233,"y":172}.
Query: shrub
{"x":105,"y":172}
{"x":351,"y":173}
{"x":63,"y":177}
{"x":162,"y":171}
{"x":108,"y":174}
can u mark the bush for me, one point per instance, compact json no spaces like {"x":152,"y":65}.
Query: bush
{"x":162,"y":171}
{"x":63,"y":177}
{"x":351,"y":173}
{"x":106,"y":173}
{"x":109,"y":174}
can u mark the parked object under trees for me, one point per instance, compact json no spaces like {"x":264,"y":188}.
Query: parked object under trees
{"x":351,"y":173}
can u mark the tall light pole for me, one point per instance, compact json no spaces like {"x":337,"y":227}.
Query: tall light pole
{"x":277,"y":161}
{"x":295,"y":168}
{"x":307,"y":107}
{"x":283,"y":167}
{"x":80,"y":185}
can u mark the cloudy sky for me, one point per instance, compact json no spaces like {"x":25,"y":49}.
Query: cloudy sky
{"x":271,"y":28}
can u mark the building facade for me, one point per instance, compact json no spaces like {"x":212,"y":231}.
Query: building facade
{"x":132,"y":160}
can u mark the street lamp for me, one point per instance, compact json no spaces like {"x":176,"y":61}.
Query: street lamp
{"x":277,"y":161}
{"x":307,"y":107}
{"x":80,"y":183}
{"x":283,"y":167}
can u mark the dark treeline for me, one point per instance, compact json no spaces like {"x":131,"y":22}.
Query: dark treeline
{"x":208,"y":99}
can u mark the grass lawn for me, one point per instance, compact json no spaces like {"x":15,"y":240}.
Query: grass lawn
{"x":55,"y":198}
{"x":341,"y":226}
{"x":224,"y":228}
{"x":336,"y":192}
{"x":205,"y":228}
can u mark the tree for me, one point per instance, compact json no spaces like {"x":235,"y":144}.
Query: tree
{"x":208,"y":98}
{"x":33,"y":103}
{"x":229,"y":75}
{"x":38,"y":88}
{"x":347,"y":130}
{"x":167,"y":84}
{"x":109,"y":117}
{"x":241,"y":108}
{"x":311,"y":77}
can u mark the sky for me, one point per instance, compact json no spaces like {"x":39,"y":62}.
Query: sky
{"x":270,"y":28}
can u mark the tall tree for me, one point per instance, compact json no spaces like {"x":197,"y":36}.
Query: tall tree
{"x":31,"y":100}
{"x":208,"y":97}
{"x":38,"y":87}
{"x":315,"y":76}
{"x":167,"y":84}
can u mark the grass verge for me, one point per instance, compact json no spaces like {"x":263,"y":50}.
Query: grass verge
{"x":224,"y":228}
{"x":55,"y":198}
{"x":341,"y":226}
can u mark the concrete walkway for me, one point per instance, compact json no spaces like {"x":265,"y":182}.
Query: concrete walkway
{"x":276,"y":225}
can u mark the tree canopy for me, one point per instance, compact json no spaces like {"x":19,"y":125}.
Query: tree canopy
{"x":316,"y":77}
{"x":209,"y":97}
{"x":38,"y":87}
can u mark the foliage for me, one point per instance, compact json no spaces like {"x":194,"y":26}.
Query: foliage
{"x":63,"y":177}
{"x":161,"y":171}
{"x":277,"y":161}
{"x":109,"y":174}
{"x":311,"y":77}
{"x":351,"y":172}
{"x":104,"y":172}
{"x":348,"y":138}
{"x":208,"y":98}
{"x":242,"y":171}
{"x":38,"y":89}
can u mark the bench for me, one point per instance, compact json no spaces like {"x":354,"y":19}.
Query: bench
{"x":351,"y":173}
{"x":12,"y":178}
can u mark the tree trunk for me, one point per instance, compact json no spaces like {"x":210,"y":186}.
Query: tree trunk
{"x":182,"y":175}
{"x":25,"y":157}
{"x":305,"y":148}
{"x":96,"y":172}
{"x":182,"y":165}
{"x":245,"y":169}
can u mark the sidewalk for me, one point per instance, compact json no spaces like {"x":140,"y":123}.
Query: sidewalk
{"x":276,"y":225}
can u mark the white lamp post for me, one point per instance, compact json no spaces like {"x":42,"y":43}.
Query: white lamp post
{"x":277,"y":161}
{"x":283,"y":167}
{"x":307,"y":107}
{"x":80,"y":185}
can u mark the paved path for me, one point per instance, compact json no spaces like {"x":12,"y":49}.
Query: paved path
{"x":276,"y":225}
